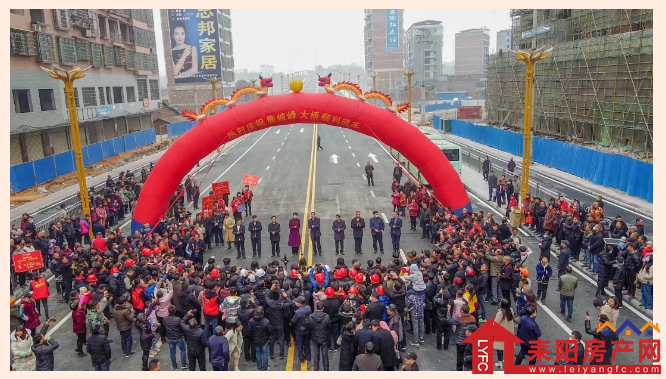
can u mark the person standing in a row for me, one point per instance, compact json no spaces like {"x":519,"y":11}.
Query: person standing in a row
{"x":314,"y":224}
{"x":294,"y":233}
{"x":339,"y":227}
{"x":274,"y":235}
{"x":255,"y":236}
{"x":396,"y":226}
{"x":239,"y":238}
{"x":377,"y":229}
{"x":358,"y":224}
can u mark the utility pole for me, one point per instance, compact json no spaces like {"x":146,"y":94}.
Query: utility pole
{"x":409,"y":75}
{"x":349,"y":77}
{"x":282,"y":82}
{"x":530,"y":60}
{"x":359,"y":79}
{"x":68,"y":77}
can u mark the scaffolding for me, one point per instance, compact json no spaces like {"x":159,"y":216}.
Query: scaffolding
{"x":594,"y":88}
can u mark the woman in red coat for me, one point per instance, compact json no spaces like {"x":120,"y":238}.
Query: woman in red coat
{"x":79,"y":326}
{"x":29,"y":313}
{"x":413,"y":208}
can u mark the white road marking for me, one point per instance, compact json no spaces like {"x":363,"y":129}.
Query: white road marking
{"x":278,"y":131}
{"x":278,"y":150}
{"x":301,"y":130}
{"x":374,"y":157}
{"x":346,"y":140}
{"x":403,"y":256}
{"x":555,"y":318}
{"x":384,"y":217}
{"x":353,"y":155}
{"x":267,"y":167}
{"x":282,"y":144}
{"x":358,"y":164}
{"x":349,"y":147}
{"x":273,"y":158}
{"x":337,"y":201}
{"x":364,"y":177}
{"x":259,"y":180}
{"x":373,"y":194}
{"x":334,"y":158}
{"x":285,"y":137}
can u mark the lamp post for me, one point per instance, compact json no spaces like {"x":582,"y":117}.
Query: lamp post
{"x":349,"y":77}
{"x":68,"y":77}
{"x":282,"y":82}
{"x":213,"y":83}
{"x":530,"y":60}
{"x":409,"y":75}
{"x":359,"y":79}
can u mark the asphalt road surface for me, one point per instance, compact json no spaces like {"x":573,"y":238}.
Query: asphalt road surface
{"x":295,"y":177}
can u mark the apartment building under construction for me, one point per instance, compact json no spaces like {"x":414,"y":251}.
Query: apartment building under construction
{"x":595,"y":86}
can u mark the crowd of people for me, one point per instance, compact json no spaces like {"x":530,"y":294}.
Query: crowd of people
{"x":158,"y":287}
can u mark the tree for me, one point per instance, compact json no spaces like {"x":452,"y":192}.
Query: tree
{"x":242,"y":83}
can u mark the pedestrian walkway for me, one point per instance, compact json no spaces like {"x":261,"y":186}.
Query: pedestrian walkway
{"x":478,"y":187}
{"x":608,"y":193}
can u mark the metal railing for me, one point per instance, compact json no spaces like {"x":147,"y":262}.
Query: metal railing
{"x":535,"y":190}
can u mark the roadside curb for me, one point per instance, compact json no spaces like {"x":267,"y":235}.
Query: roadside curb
{"x":625,"y":299}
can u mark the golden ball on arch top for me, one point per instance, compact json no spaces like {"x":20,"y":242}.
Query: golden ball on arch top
{"x":296,"y":85}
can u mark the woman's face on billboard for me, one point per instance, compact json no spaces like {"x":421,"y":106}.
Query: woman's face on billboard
{"x":179,"y":35}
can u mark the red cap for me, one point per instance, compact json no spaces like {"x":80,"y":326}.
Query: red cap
{"x":353,"y":290}
{"x":469,"y":271}
{"x":129,"y":263}
{"x":329,"y":291}
{"x":362,"y":307}
{"x":380,"y":290}
{"x":293,"y":273}
{"x":353,"y":273}
{"x":457,"y":281}
{"x":114,"y":270}
{"x":214,"y":273}
{"x":374,"y":279}
{"x":359,"y":278}
{"x":320,"y":277}
{"x":91,"y":278}
{"x":146,"y":251}
{"x":341,"y":273}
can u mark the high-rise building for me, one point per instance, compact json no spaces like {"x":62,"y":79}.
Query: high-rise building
{"x":267,"y":70}
{"x":503,"y":41}
{"x":119,"y":94}
{"x":384,"y":48}
{"x":472,"y":51}
{"x":424,"y":42}
{"x":198,"y":45}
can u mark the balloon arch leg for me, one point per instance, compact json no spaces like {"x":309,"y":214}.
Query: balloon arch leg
{"x":296,"y":108}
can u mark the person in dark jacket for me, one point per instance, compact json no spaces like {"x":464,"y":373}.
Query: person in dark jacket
{"x":348,"y":347}
{"x":357,"y":225}
{"x":375,"y":310}
{"x":486,"y":168}
{"x":277,"y":302}
{"x":605,"y":265}
{"x":339,"y":226}
{"x":443,"y":309}
{"x":255,"y":229}
{"x":99,"y":348}
{"x":301,"y":323}
{"x":368,"y":361}
{"x":563,"y":259}
{"x":245,"y":314}
{"x":543,"y":274}
{"x":314,"y":225}
{"x":364,"y":334}
{"x":577,"y":357}
{"x":239,"y":238}
{"x":633,"y":263}
{"x":319,"y":338}
{"x":528,"y":331}
{"x":123,"y":313}
{"x":506,"y":278}
{"x":596,"y":247}
{"x":377,"y":231}
{"x":618,"y":279}
{"x":174,"y":334}
{"x":331,"y":308}
{"x":545,"y":244}
{"x":607,"y":335}
{"x":461,"y":324}
{"x":384,"y":346}
{"x":492,"y":185}
{"x":260,"y":330}
{"x":219,"y":350}
{"x":43,"y":348}
{"x":195,"y":340}
{"x":274,"y":236}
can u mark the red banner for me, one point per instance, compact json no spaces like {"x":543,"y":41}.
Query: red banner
{"x":250,"y":180}
{"x":28,"y":261}
{"x":220,"y":189}
{"x":207,"y":204}
{"x":470,"y":113}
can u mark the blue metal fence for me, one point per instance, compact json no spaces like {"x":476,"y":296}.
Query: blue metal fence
{"x":611,"y":170}
{"x":27,"y":175}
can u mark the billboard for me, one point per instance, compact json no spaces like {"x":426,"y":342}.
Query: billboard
{"x":392,"y":29}
{"x":195,"y":45}
{"x":470,"y":113}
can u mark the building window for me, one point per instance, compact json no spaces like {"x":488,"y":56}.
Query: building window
{"x":17,"y":11}
{"x":18,"y":40}
{"x":67,"y":50}
{"x":109,"y":97}
{"x":109,"y":56}
{"x":130,"y":63}
{"x":102,"y":26}
{"x":89,"y":96}
{"x":22,"y":101}
{"x":46,"y":100}
{"x":154,"y":89}
{"x":96,"y":55}
{"x":37,"y":16}
{"x":45,"y":48}
{"x":131,"y":94}
{"x":82,"y":50}
{"x":102,"y":97}
{"x":143,"y":89}
{"x":76,"y":97}
{"x":118,"y":95}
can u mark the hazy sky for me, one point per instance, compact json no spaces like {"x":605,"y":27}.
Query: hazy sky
{"x":299,"y":39}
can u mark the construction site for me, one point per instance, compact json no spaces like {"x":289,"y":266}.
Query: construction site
{"x":595,"y":86}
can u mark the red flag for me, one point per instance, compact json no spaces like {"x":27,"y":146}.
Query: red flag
{"x":207,"y":204}
{"x":28,"y":261}
{"x":250,"y":180}
{"x":220,"y":189}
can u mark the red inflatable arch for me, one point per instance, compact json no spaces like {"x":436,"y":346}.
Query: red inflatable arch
{"x":296,"y":108}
